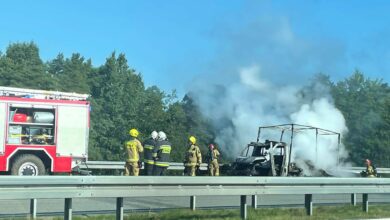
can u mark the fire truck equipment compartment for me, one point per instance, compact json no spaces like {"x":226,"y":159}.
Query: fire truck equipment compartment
{"x":19,"y":117}
{"x":14,"y":140}
{"x":43,"y":117}
{"x":15,"y":129}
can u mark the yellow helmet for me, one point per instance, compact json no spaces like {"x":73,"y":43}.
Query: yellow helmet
{"x":192,"y":139}
{"x":134,"y":132}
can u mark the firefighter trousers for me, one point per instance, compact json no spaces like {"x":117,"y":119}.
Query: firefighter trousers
{"x":214,"y":168}
{"x":131,"y":169}
{"x":159,"y":170}
{"x":149,"y":169}
{"x":190,"y":170}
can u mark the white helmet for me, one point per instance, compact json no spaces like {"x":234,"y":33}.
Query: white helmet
{"x":154,"y":135}
{"x":162,"y":136}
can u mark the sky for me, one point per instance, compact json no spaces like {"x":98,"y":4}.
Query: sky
{"x":174,"y":43}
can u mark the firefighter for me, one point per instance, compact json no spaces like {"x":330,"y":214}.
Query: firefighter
{"x":370,"y":170}
{"x":193,"y":158}
{"x":149,"y":146}
{"x":212,"y":160}
{"x":133,"y":149}
{"x":162,"y":154}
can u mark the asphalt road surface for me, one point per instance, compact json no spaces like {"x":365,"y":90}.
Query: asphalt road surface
{"x":50,"y":207}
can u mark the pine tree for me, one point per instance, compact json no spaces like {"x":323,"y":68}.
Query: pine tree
{"x":22,"y":67}
{"x":117,"y":95}
{"x":71,"y":74}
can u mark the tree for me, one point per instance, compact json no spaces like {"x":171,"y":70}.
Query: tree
{"x":120,"y":101}
{"x":197,"y":124}
{"x":71,"y":74}
{"x":22,"y":67}
{"x":176,"y":128}
{"x":363,"y":104}
{"x":151,"y":115}
{"x":117,"y":94}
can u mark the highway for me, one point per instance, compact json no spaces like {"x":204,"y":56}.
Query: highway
{"x":52,"y":207}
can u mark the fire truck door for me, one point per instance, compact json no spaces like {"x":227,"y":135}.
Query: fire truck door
{"x":3,"y":116}
{"x":72,"y":135}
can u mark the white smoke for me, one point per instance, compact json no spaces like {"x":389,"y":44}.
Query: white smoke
{"x":325,"y":151}
{"x":239,"y":108}
{"x":260,"y":77}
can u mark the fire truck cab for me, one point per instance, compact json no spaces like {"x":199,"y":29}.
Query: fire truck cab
{"x":42,"y":132}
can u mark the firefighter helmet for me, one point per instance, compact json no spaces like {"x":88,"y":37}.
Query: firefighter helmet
{"x":134,"y":132}
{"x":192,"y":139}
{"x":162,"y":136}
{"x":154,"y":135}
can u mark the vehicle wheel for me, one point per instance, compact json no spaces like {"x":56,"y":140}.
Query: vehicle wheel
{"x":254,"y":171}
{"x":269,"y":172}
{"x":28,"y":165}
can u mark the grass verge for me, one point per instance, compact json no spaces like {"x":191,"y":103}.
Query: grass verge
{"x":319,"y":213}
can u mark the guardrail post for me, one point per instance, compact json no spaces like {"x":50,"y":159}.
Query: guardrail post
{"x":353,"y":199}
{"x":68,"y":209}
{"x":365,"y":202}
{"x":33,"y":208}
{"x":243,"y":207}
{"x":193,"y":203}
{"x":119,"y":208}
{"x":309,"y":204}
{"x":254,"y":201}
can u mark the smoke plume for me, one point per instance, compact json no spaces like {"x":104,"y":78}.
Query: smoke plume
{"x":261,"y":77}
{"x":238,"y":109}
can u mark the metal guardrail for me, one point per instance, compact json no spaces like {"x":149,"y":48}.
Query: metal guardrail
{"x":357,"y":170}
{"x":68,"y":187}
{"x":116,"y":165}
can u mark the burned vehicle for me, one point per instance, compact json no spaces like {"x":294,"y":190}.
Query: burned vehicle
{"x":273,"y":158}
{"x":263,"y":159}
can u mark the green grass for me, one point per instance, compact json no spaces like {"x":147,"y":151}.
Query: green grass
{"x":319,"y":213}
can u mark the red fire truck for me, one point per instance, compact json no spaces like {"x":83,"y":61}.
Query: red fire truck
{"x":42,"y":132}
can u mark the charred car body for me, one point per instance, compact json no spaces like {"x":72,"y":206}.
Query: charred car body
{"x":263,"y":159}
{"x":273,"y":158}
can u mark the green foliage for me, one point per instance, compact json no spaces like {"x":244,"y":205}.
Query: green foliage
{"x":21,"y":66}
{"x":320,"y":213}
{"x":365,"y":106}
{"x":197,"y":125}
{"x":70,"y":74}
{"x":118,"y":95}
{"x":120,"y":101}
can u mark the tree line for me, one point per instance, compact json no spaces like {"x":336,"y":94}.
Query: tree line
{"x":120,"y":101}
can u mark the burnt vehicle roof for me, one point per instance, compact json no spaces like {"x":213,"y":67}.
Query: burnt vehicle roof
{"x":266,"y":144}
{"x":295,"y":128}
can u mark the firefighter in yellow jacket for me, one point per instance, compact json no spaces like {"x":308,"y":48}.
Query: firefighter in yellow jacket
{"x":370,"y":170}
{"x":193,"y":158}
{"x":133,"y":149}
{"x":212,"y":160}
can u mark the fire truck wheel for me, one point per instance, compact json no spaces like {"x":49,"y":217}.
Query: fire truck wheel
{"x":28,"y":165}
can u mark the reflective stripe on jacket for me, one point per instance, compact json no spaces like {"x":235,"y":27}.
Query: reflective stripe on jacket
{"x":149,"y":146}
{"x":133,"y":148}
{"x":163,"y":151}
